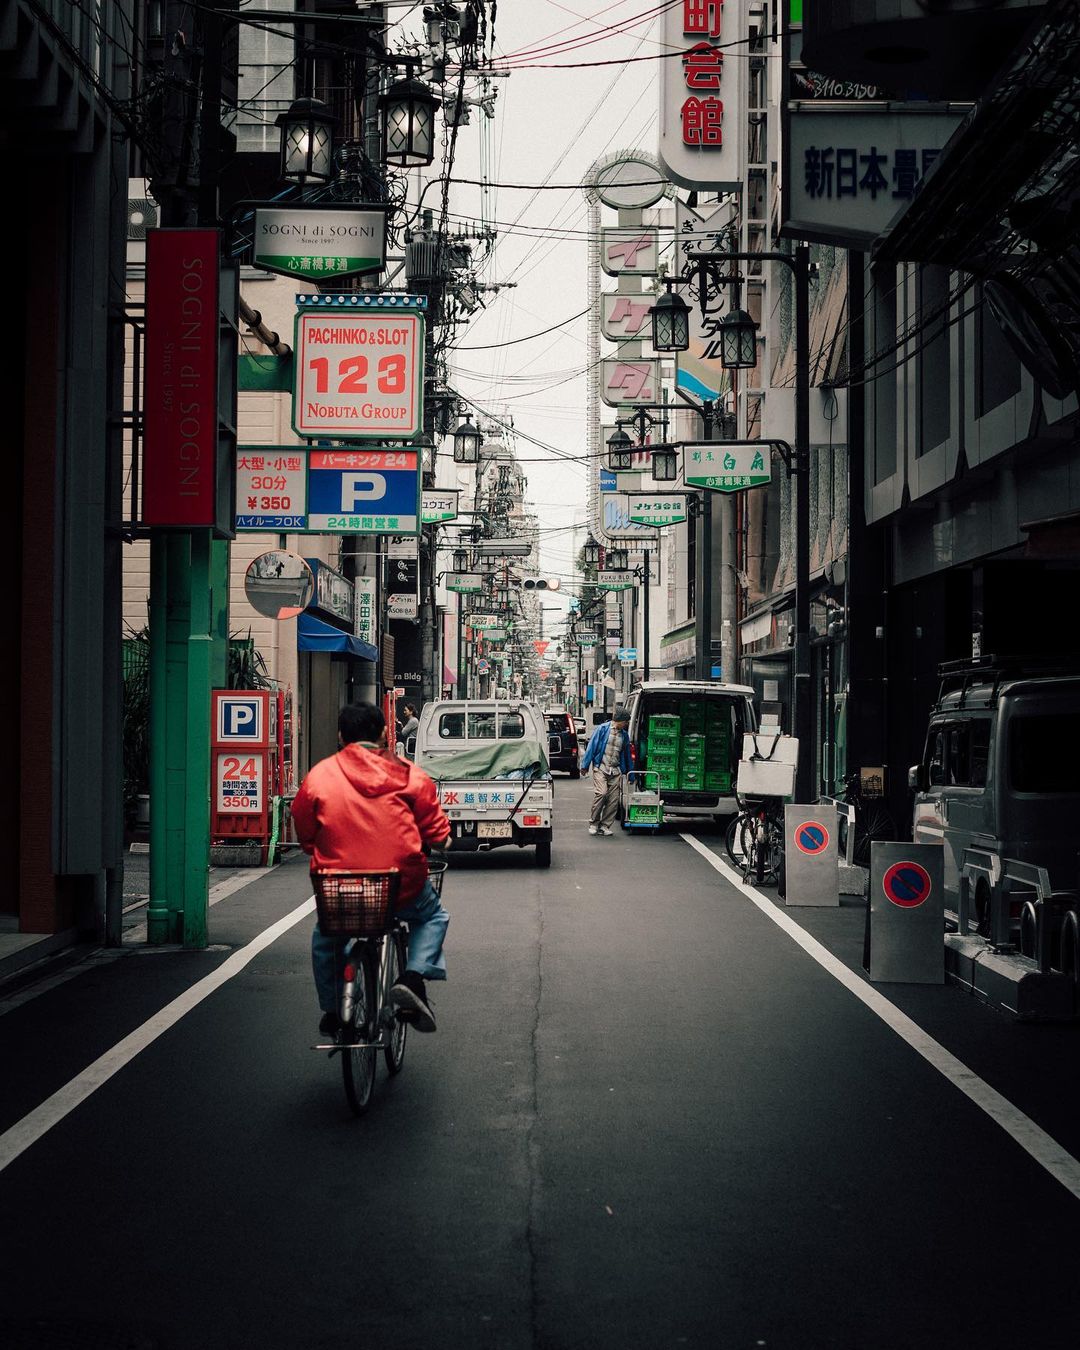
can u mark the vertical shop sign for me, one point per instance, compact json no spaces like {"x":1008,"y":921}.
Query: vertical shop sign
{"x":181,"y":379}
{"x":366,"y":628}
{"x":402,"y":579}
{"x":702,"y":93}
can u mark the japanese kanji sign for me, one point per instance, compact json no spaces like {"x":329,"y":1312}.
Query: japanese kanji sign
{"x":366,"y":628}
{"x":727,"y":466}
{"x":850,"y":172}
{"x":316,"y":242}
{"x":271,"y":488}
{"x":630,"y":381}
{"x":358,"y":375}
{"x":702,"y":98}
{"x":634,"y":250}
{"x":656,"y":508}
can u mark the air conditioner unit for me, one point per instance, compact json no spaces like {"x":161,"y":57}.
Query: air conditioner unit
{"x":143,"y":212}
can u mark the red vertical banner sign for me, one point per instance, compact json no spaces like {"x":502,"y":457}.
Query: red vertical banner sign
{"x":181,"y":378}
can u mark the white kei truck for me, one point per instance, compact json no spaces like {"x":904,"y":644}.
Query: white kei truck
{"x":489,"y":762}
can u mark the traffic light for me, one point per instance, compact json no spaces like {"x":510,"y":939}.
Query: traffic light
{"x":540,"y":584}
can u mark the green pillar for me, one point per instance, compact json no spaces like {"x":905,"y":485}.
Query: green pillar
{"x":182,"y":664}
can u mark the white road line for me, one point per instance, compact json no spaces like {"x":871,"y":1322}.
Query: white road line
{"x":29,"y":1130}
{"x":1049,"y":1154}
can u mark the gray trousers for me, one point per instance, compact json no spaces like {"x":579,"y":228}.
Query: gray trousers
{"x":605,"y":803}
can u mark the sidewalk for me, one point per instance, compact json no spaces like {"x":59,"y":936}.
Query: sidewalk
{"x":19,"y":952}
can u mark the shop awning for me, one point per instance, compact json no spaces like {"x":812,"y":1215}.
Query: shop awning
{"x":312,"y":635}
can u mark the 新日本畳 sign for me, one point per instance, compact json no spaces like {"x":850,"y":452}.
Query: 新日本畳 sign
{"x":358,"y":373}
{"x":364,"y":492}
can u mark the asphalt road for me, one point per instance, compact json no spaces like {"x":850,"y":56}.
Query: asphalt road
{"x":648,"y":1119}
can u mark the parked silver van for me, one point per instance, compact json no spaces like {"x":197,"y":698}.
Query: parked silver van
{"x":1001,"y":771}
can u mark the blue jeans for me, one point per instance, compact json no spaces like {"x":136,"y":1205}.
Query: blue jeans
{"x":427,"y":922}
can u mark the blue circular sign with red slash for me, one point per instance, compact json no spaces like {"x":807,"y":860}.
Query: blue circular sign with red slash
{"x":811,"y":837}
{"x":907,"y":884}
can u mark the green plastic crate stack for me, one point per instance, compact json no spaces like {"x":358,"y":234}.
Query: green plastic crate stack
{"x":718,"y":758}
{"x":692,"y":762}
{"x":664,"y":729}
{"x":693,"y":717}
{"x":662,"y":750}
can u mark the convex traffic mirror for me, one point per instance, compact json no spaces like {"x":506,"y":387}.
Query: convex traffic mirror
{"x":279,"y":585}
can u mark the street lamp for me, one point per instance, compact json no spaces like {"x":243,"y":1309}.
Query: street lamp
{"x":592,"y":553}
{"x":461,"y":559}
{"x":665,"y":464}
{"x":738,"y":341}
{"x":620,"y":451}
{"x":307,"y":135}
{"x":617,"y":560}
{"x":466,"y":443}
{"x":408,"y":111}
{"x":670,"y":323}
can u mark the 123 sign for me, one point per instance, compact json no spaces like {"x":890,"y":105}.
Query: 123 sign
{"x":359,"y":376}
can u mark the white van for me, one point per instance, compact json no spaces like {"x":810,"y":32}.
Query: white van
{"x":1001,"y":771}
{"x":489,"y":760}
{"x":690,"y":733}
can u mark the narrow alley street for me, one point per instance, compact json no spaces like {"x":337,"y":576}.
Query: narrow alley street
{"x":649,"y":1118}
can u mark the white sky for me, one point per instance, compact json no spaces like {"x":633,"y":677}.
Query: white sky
{"x":549,"y":125}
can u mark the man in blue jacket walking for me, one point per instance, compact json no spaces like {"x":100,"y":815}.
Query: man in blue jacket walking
{"x":608,"y":754}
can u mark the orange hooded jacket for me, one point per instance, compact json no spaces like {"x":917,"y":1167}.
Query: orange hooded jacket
{"x":369,"y":811}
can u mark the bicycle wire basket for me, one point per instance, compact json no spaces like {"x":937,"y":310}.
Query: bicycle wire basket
{"x":355,"y":904}
{"x":436,"y":872}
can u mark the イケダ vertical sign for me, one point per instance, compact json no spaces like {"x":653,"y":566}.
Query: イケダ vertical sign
{"x":359,"y":367}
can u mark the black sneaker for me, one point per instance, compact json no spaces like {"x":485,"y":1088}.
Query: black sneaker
{"x":329,"y":1024}
{"x":408,"y":997}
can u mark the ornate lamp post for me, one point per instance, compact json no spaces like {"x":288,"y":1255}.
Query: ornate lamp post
{"x":307,"y":142}
{"x":408,"y":111}
{"x":466,"y":443}
{"x":670,"y":323}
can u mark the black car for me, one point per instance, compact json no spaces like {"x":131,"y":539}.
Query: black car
{"x":562,"y":743}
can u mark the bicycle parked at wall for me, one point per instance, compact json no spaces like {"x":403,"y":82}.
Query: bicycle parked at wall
{"x":755,"y":840}
{"x":360,"y":906}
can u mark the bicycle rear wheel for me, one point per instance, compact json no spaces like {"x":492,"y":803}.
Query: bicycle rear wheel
{"x":738,"y":837}
{"x":358,"y":1066}
{"x":876,"y":824}
{"x":395,"y":1049}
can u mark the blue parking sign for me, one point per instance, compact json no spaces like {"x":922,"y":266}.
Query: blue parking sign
{"x":364,"y":492}
{"x":239,"y":718}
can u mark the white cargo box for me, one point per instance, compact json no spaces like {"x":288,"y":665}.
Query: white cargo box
{"x":765,"y":778}
{"x":770,"y":746}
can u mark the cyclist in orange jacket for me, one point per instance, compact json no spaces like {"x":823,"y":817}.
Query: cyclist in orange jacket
{"x":366,"y":810}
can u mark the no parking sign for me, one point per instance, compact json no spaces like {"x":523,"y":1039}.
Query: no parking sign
{"x":907,"y":913}
{"x":812,"y":870}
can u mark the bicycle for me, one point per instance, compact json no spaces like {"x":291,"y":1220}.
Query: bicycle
{"x":755,"y":840}
{"x":873,"y":821}
{"x":360,"y":906}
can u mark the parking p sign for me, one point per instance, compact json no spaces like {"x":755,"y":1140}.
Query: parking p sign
{"x":240,"y":717}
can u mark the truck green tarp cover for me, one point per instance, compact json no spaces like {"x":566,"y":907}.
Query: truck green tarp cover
{"x":486,"y":759}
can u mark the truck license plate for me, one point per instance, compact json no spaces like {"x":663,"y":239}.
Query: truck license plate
{"x":494,"y":829}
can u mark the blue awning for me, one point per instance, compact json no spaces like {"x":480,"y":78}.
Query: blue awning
{"x":312,"y":635}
